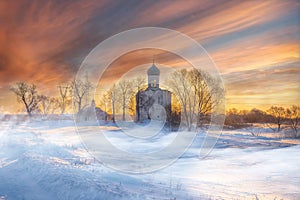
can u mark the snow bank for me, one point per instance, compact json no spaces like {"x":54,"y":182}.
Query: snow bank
{"x":46,"y":160}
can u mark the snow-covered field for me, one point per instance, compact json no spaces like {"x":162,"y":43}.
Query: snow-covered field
{"x":46,"y":160}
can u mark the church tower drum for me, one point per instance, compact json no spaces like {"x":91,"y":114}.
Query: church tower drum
{"x":153,"y":77}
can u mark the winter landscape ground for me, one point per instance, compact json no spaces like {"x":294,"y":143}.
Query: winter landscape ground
{"x":47,"y":160}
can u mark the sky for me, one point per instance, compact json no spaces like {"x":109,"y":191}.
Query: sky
{"x":254,"y":44}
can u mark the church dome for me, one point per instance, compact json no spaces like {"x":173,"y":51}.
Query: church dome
{"x":153,"y":70}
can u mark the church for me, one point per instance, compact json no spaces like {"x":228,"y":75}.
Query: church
{"x":88,"y":113}
{"x":153,"y":103}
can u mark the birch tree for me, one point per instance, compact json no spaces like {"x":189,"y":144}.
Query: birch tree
{"x":207,"y":92}
{"x":125,"y":88}
{"x":63,"y":92}
{"x":197,"y":92}
{"x":138,"y":84}
{"x":79,"y":90}
{"x":48,"y":105}
{"x":112,"y":95}
{"x":181,"y":87}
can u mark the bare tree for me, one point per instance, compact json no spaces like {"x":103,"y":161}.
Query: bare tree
{"x":63,"y":91}
{"x":293,"y":115}
{"x":234,"y":119}
{"x":27,"y":94}
{"x":113,"y":96}
{"x":255,"y":131}
{"x":45,"y":104}
{"x":55,"y":105}
{"x":125,"y":88}
{"x":197,"y":92}
{"x":79,"y":90}
{"x":104,"y":102}
{"x":175,"y":117}
{"x":181,"y":87}
{"x":132,"y":105}
{"x":255,"y":116}
{"x":48,"y":105}
{"x":278,"y":114}
{"x":205,"y":88}
{"x":138,"y":84}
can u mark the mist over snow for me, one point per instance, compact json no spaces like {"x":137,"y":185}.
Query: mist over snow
{"x":47,"y":160}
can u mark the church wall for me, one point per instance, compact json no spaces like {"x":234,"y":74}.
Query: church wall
{"x":150,"y":97}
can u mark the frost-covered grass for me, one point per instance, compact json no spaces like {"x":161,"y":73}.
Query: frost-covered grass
{"x":46,"y":160}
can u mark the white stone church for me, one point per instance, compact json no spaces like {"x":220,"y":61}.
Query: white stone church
{"x":153,"y":102}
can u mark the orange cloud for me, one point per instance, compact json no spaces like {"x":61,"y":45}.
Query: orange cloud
{"x":39,"y":35}
{"x":234,"y":16}
{"x":45,"y":43}
{"x":239,"y":58}
{"x":164,"y":11}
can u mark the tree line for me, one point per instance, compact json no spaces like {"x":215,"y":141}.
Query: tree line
{"x":191,"y":97}
{"x":36,"y":103}
{"x":275,"y":115}
{"x":195,"y":94}
{"x":120,"y":98}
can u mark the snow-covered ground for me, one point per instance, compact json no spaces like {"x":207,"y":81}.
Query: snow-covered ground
{"x":46,"y":160}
